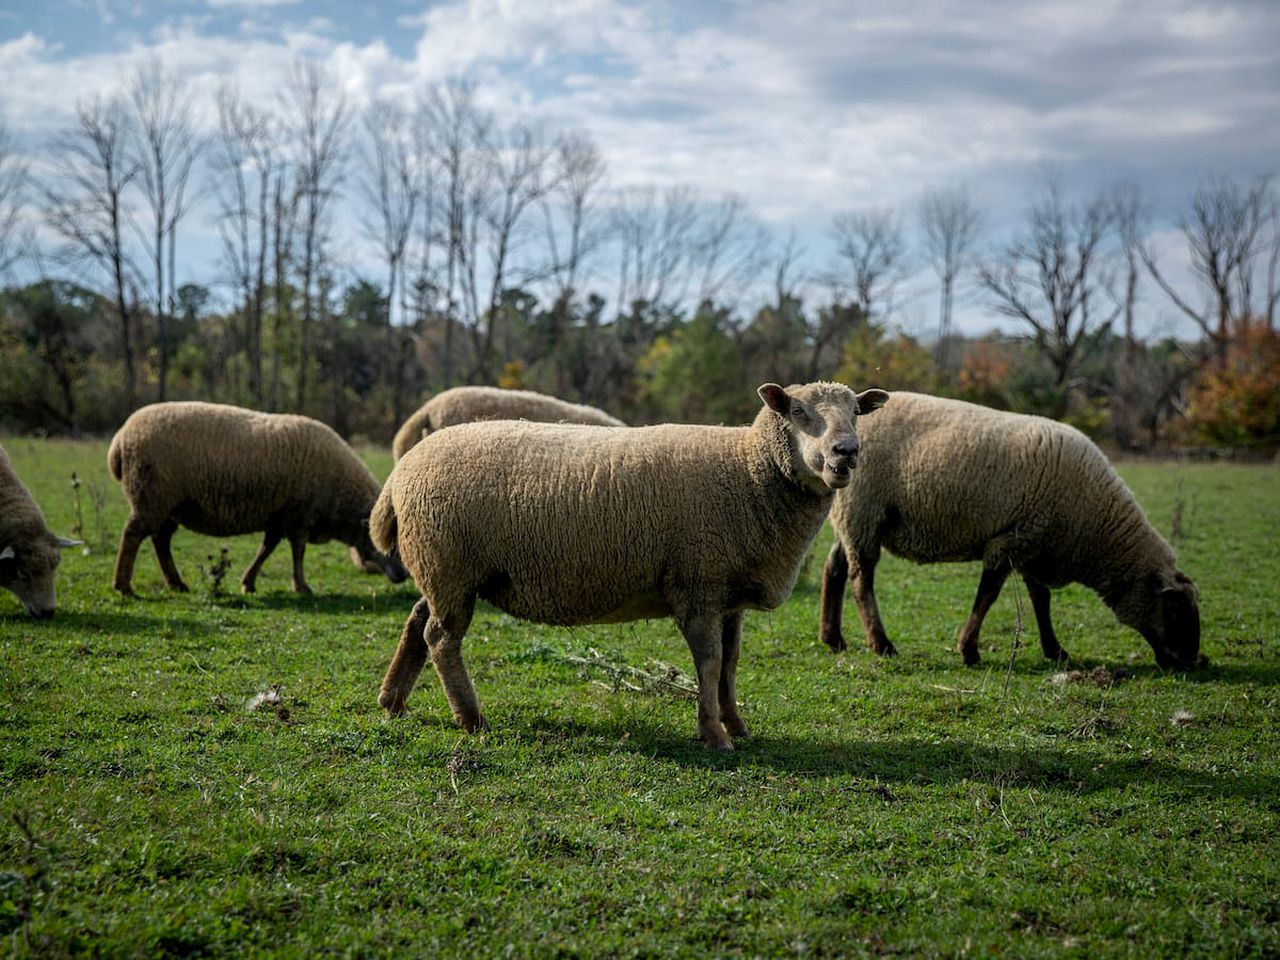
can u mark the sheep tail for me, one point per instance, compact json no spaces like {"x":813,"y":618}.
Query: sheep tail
{"x":115,"y":458}
{"x":382,"y":519}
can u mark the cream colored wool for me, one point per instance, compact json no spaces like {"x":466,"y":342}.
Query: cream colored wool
{"x":468,"y":404}
{"x":946,"y":480}
{"x":29,"y":551}
{"x":570,"y":524}
{"x":221,"y":471}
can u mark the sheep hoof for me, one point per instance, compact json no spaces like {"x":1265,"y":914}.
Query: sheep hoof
{"x":179,"y":587}
{"x":835,"y":642}
{"x":971,"y":657}
{"x":478,"y":724}
{"x":126,"y":591}
{"x":737,"y":729}
{"x":246,"y":587}
{"x":716,"y":739}
{"x":393,"y":703}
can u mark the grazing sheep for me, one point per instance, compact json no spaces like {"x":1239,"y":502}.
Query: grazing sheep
{"x":222,"y":471}
{"x":468,"y":404}
{"x":29,"y":552}
{"x":569,"y":524}
{"x":953,"y":481}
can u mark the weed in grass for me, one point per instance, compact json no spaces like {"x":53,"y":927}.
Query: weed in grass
{"x":659,"y":678}
{"x":216,"y":572}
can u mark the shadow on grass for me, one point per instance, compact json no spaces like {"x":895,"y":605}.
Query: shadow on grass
{"x":913,"y":762}
{"x":111,"y":620}
{"x":397,"y":600}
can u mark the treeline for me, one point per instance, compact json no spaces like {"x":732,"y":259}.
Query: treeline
{"x":506,"y":258}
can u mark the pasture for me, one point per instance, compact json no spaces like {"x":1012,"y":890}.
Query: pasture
{"x":210,"y":775}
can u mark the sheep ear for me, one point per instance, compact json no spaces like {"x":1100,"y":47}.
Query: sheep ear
{"x":775,"y":398}
{"x":7,"y":553}
{"x":65,"y":542}
{"x":873,"y":399}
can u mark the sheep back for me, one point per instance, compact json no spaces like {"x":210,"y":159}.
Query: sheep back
{"x":569,"y":524}
{"x":222,"y":470}
{"x":468,"y":404}
{"x":944,"y":480}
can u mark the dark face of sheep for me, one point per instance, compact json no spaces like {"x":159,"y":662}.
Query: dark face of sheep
{"x":28,"y":568}
{"x":821,"y":418}
{"x":1165,"y":609}
{"x":366,"y":556}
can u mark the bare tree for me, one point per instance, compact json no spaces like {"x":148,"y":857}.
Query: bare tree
{"x":166,"y":151}
{"x":519,"y":161}
{"x":728,"y":252}
{"x":655,"y":241}
{"x":871,"y":254}
{"x":318,"y":121}
{"x":15,"y":235}
{"x":285,"y":200}
{"x":390,"y":186}
{"x":86,"y":205}
{"x":245,"y":163}
{"x":568,"y":211}
{"x":950,"y":225}
{"x":1050,"y":278}
{"x":1233,"y":239}
{"x":457,"y":134}
{"x":570,"y":220}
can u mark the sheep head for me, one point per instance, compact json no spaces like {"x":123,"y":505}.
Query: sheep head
{"x":820,"y":420}
{"x":28,"y":568}
{"x":364,"y":554}
{"x":1164,"y":607}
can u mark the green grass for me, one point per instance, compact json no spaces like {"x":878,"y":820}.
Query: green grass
{"x":908,"y":806}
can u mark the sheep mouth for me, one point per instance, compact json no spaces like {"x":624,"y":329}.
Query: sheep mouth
{"x":837,"y":475}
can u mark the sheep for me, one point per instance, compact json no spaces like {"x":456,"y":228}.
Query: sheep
{"x":570,"y":524}
{"x":952,"y":481}
{"x":468,"y":404}
{"x":221,"y":471}
{"x":29,"y":551}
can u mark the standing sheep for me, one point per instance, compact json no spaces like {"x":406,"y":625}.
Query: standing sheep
{"x":569,"y":524}
{"x":29,"y":552}
{"x":222,"y":471}
{"x":468,"y":404}
{"x":953,"y":481}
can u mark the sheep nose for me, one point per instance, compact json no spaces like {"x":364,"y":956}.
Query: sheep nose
{"x":846,"y":448}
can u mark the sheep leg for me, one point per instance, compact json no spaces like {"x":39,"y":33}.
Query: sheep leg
{"x":298,"y":545}
{"x":704,"y":633}
{"x":249,"y":582}
{"x":444,"y":639}
{"x":730,"y":645}
{"x":834,"y":574}
{"x":162,"y":541}
{"x":988,"y":590}
{"x":131,"y":537}
{"x":407,"y":663}
{"x":1049,"y":645}
{"x":863,"y":581}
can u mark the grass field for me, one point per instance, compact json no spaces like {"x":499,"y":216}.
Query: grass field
{"x":210,"y":775}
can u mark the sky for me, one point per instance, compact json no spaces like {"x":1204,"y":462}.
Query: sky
{"x":801,"y":107}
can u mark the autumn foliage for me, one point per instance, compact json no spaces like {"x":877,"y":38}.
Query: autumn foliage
{"x":1237,"y":401}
